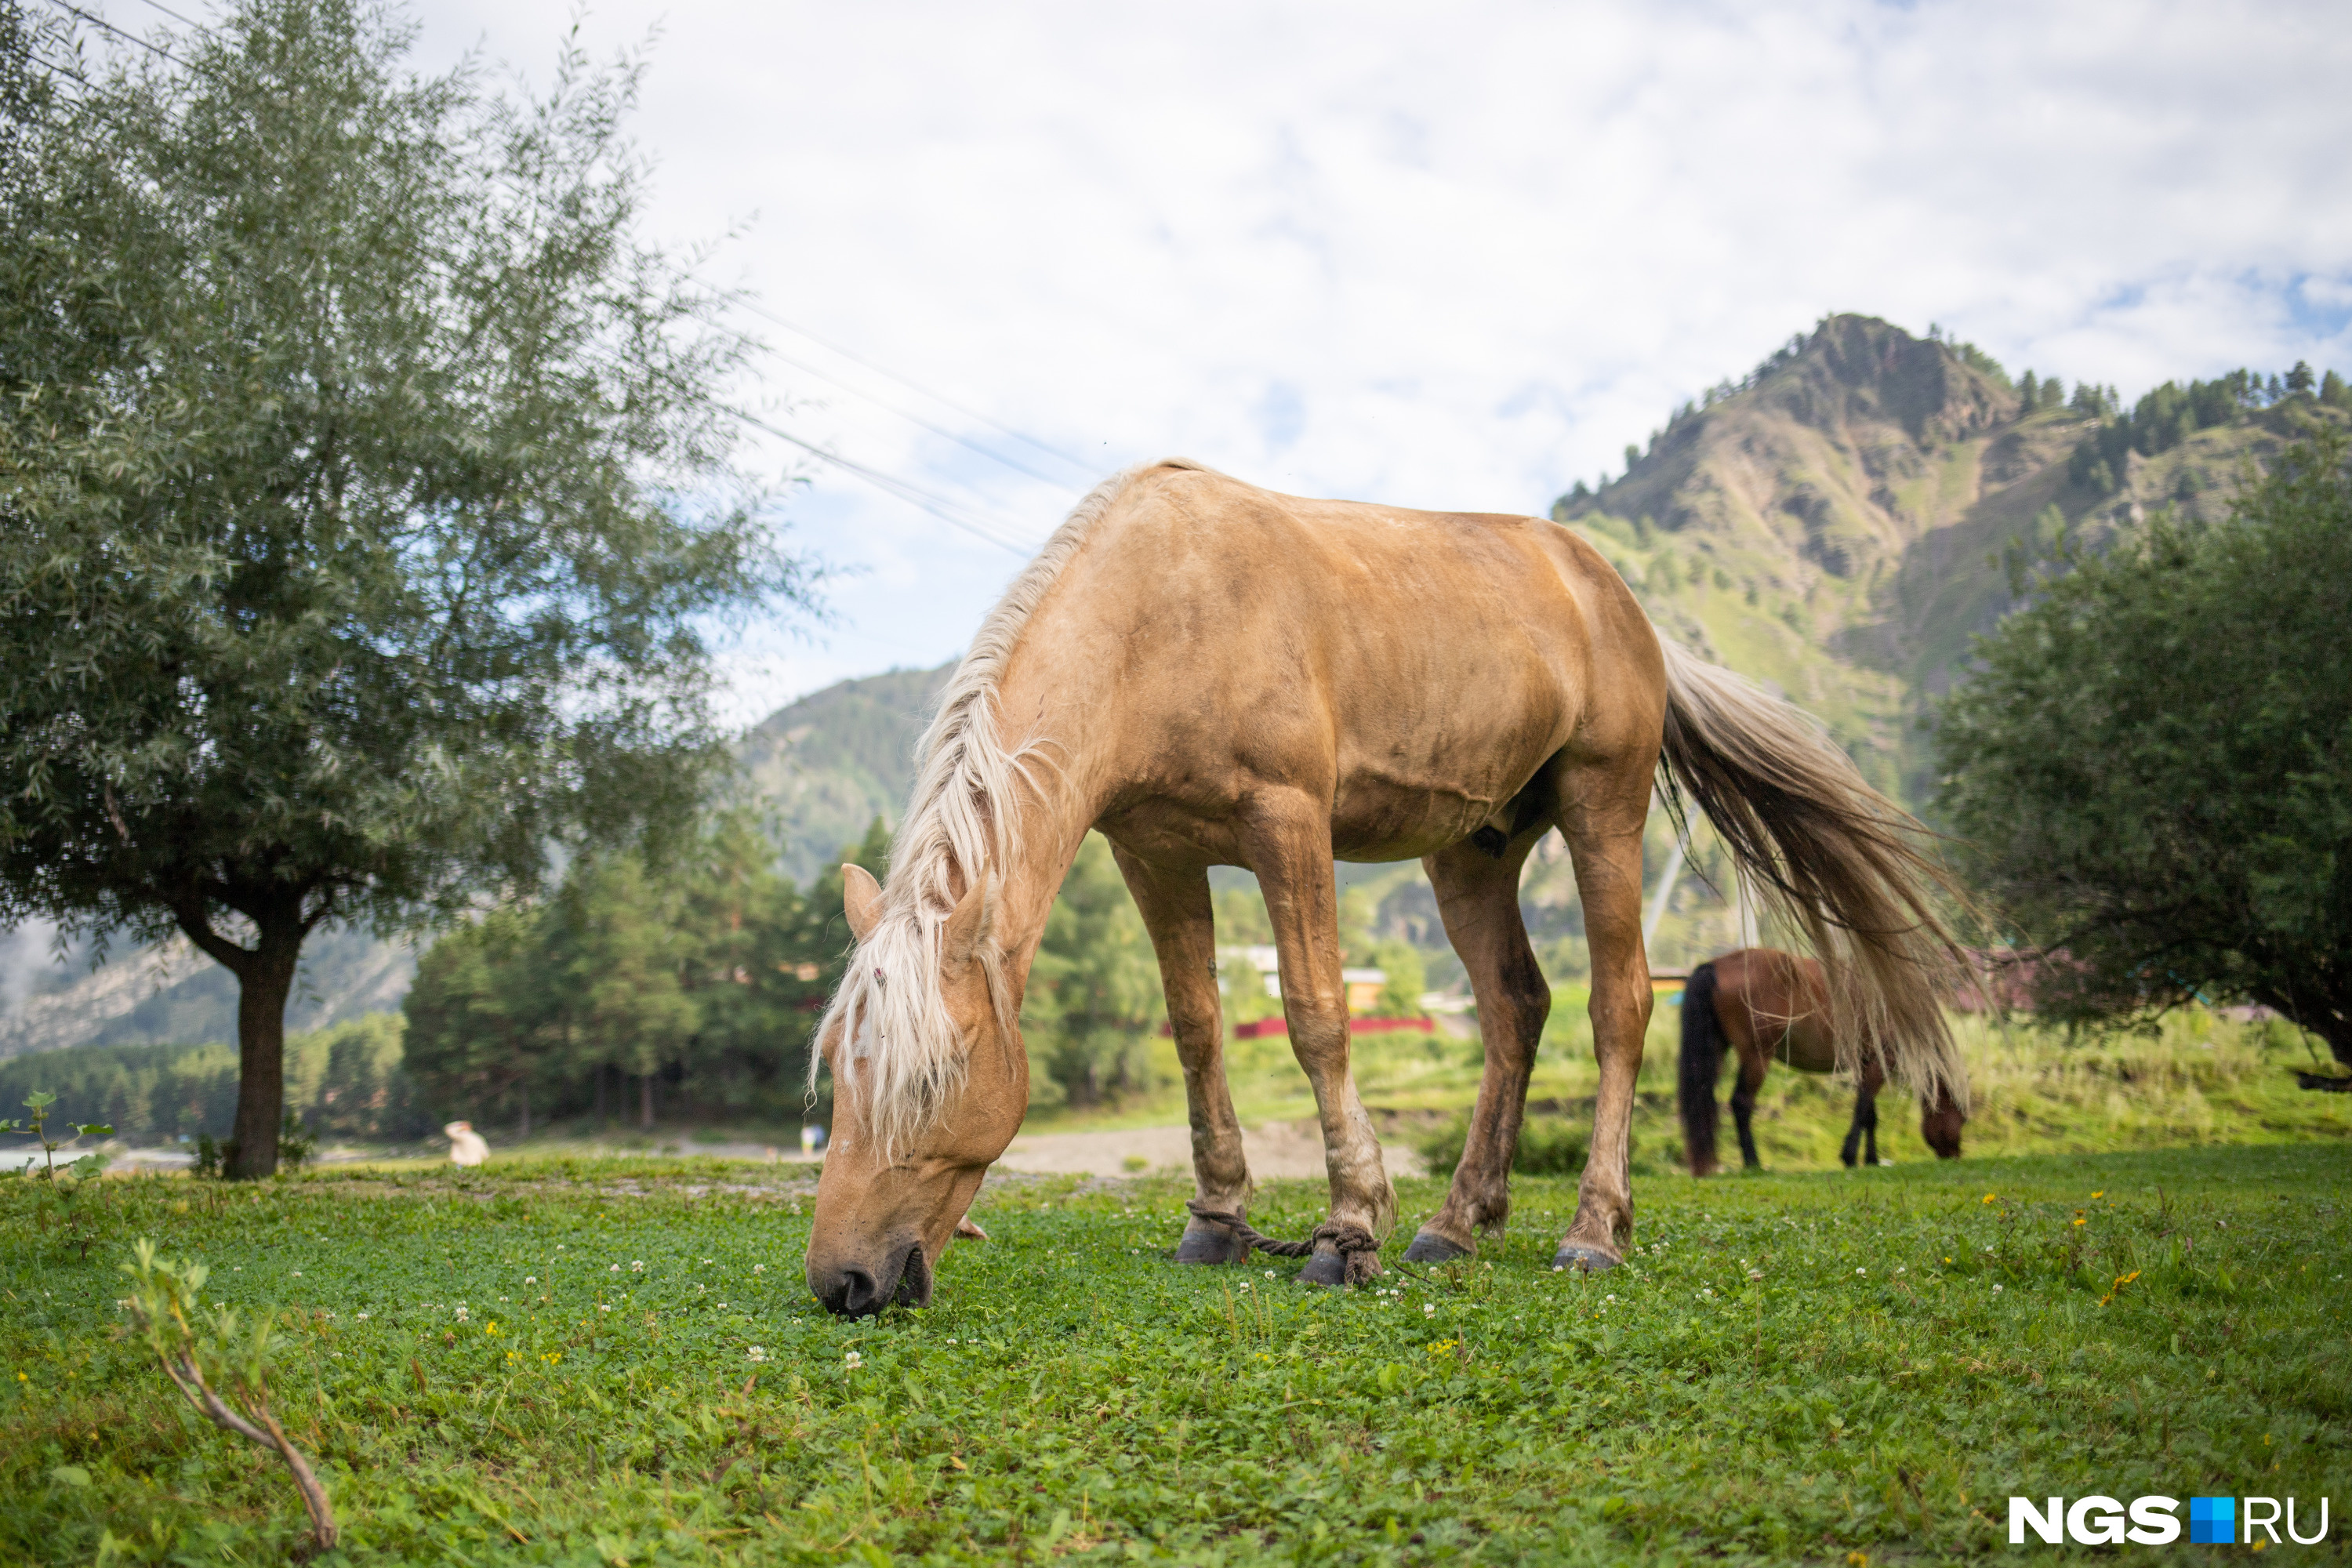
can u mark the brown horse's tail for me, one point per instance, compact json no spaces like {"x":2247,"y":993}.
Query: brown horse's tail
{"x":1831,"y":855}
{"x":1701,"y":1064}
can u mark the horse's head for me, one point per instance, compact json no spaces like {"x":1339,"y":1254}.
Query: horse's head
{"x":918,"y":1119}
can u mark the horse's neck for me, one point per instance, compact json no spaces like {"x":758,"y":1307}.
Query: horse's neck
{"x":1053,"y":818}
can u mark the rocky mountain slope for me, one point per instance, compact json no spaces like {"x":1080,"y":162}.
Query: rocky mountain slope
{"x":1844,"y":520}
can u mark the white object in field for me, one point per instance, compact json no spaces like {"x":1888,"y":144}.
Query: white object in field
{"x":465,"y":1145}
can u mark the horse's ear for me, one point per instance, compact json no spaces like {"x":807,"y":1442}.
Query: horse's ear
{"x":861,"y":898}
{"x":969,"y":926}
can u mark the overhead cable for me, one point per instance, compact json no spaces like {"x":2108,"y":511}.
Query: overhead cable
{"x":853,"y":357}
{"x":127,"y":36}
{"x":938,"y":506}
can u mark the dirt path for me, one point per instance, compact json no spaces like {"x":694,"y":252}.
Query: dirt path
{"x":1277,"y":1149}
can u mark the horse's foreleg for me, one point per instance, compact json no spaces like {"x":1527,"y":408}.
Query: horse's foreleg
{"x":1176,"y":911}
{"x":1479,"y":898}
{"x":1752,"y":1064}
{"x":1290,"y":849}
{"x":1605,"y":838}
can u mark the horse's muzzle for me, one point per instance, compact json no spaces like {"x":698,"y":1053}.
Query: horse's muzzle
{"x":851,"y":1290}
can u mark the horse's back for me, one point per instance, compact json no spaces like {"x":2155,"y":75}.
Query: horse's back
{"x":1420,"y":666}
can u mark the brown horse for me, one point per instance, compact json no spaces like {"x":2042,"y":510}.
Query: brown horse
{"x":1774,"y":1005}
{"x":1214,"y":674}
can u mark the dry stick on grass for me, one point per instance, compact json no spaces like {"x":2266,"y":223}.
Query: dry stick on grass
{"x":166,"y":1303}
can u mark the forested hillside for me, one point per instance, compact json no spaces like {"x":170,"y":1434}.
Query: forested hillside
{"x":1844,"y":519}
{"x":833,"y":762}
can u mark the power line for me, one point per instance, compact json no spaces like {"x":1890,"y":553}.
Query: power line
{"x":969,"y":413}
{"x":937,"y":505}
{"x":917,"y":419}
{"x":128,"y":38}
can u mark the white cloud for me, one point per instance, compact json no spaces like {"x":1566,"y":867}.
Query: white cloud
{"x":1448,"y":256}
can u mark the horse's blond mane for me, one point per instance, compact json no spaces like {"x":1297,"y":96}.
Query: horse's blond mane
{"x":895,"y":1028}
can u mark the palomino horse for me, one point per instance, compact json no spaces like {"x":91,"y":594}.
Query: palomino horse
{"x":1773,"y":1006}
{"x":1214,"y":674}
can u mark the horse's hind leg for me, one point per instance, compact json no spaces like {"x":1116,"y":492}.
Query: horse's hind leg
{"x":1290,"y":850}
{"x":1940,"y":1125}
{"x":1752,"y":1063}
{"x":1601,"y":818}
{"x":1176,"y":911}
{"x":1865,"y":1130}
{"x":1478,"y":897}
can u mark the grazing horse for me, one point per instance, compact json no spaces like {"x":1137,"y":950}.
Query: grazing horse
{"x":1212,"y":674}
{"x":1770,"y":1004}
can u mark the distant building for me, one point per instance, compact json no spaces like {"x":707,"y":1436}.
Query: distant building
{"x":1363,"y":984}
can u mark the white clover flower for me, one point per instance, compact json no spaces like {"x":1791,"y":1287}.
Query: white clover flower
{"x":1706,"y":1295}
{"x":638,"y":1267}
{"x":461,"y":1314}
{"x":530,"y":1279}
{"x":601,"y":1308}
{"x":1429,"y":1309}
{"x":298,"y":1274}
{"x":1899,"y":1270}
{"x":613,"y":1268}
{"x":1861,"y":1272}
{"x":1756,"y":1274}
{"x":1996,"y":1290}
{"x":364,"y":1316}
{"x":758,"y":1353}
{"x":709,"y":1260}
{"x":1269,"y":1273}
{"x":851,"y":1361}
{"x":759,"y":1268}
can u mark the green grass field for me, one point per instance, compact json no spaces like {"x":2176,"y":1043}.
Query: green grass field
{"x":614,"y":1362}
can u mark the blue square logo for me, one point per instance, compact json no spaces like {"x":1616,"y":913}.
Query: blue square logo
{"x":2214,"y":1520}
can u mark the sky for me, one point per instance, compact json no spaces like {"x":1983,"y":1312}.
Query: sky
{"x":1453,"y":256}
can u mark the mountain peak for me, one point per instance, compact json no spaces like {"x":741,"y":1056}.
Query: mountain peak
{"x":1861,"y":388}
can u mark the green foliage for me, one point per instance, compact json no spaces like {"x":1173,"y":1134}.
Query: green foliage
{"x":702,"y":972}
{"x":221,"y":1370}
{"x":1791,"y":1367}
{"x":1401,"y":991}
{"x":1094,"y":991}
{"x":2169,"y":414}
{"x":344,"y":1081}
{"x":1548,"y":1146}
{"x":2153,"y":767}
{"x":364,"y":495}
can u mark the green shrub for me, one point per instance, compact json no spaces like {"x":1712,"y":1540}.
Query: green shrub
{"x":1548,"y":1146}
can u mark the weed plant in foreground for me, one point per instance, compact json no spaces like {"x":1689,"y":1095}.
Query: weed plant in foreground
{"x":617,"y":1363}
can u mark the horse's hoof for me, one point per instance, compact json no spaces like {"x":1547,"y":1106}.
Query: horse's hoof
{"x":1584,"y":1259}
{"x":1430,"y":1247}
{"x":1327,"y":1267}
{"x":1210,"y":1244}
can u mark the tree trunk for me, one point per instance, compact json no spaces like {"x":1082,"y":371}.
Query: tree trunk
{"x":526,"y":1112}
{"x":264,"y":984}
{"x":646,"y":1102}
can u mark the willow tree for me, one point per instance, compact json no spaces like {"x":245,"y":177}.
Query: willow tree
{"x":366,"y":497}
{"x":2151,"y":765}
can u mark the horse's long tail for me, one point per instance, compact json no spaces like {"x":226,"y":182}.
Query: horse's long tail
{"x":1831,"y":856}
{"x":1701,"y":1064}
